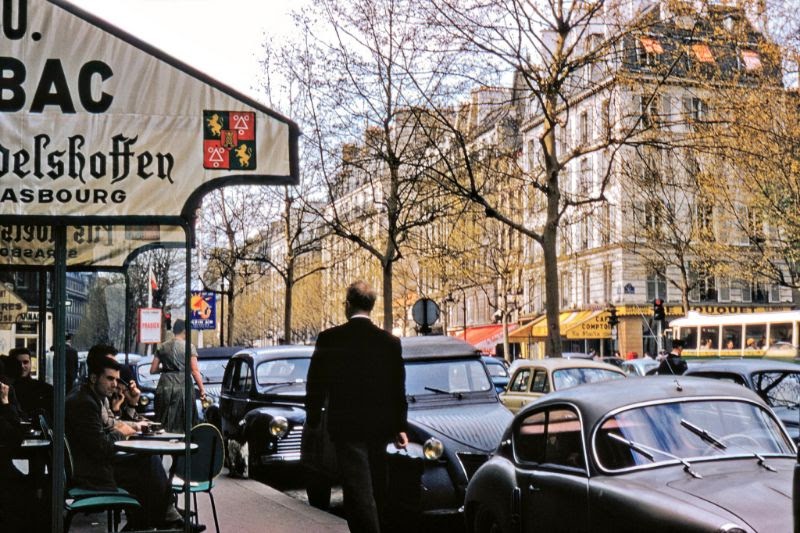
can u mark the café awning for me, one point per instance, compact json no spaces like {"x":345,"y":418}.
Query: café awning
{"x":592,"y":324}
{"x":486,"y":337}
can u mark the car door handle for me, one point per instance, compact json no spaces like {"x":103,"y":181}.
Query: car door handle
{"x":533,"y":488}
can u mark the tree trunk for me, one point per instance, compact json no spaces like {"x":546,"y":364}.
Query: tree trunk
{"x":553,"y":307}
{"x":387,"y":295}
{"x":287,"y":305}
{"x":231,"y":310}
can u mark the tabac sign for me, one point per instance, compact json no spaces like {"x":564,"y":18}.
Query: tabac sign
{"x":94,"y":122}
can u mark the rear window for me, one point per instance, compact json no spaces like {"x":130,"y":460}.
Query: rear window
{"x":282,"y":371}
{"x":571,"y":377}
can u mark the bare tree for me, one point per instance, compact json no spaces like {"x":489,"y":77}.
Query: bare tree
{"x":230,"y":221}
{"x":359,"y":122}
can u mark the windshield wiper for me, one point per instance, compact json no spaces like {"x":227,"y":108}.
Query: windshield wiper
{"x":704,"y":434}
{"x":645,"y":450}
{"x":442,"y":391}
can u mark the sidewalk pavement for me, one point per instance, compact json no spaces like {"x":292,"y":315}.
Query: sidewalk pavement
{"x":244,"y":506}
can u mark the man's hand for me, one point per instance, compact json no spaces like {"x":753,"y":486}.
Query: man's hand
{"x":132,"y":394}
{"x":116,"y":401}
{"x":401,"y":440}
{"x":3,"y":393}
{"x":124,"y":429}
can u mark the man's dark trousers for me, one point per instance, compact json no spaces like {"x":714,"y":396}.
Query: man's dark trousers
{"x":362,"y":465}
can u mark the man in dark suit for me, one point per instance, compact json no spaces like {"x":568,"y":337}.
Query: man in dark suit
{"x":358,"y":369}
{"x":673,"y":363}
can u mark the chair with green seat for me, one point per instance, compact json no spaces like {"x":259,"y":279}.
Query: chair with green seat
{"x":206,"y":464}
{"x":80,"y":500}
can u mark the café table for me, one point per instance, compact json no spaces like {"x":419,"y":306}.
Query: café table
{"x":164,"y":435}
{"x":153,"y":446}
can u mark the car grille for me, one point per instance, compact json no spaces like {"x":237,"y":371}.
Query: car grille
{"x":470,"y":462}
{"x":289,"y":446}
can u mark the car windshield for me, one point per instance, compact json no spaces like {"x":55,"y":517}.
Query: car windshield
{"x":778,"y":389}
{"x":496,"y":369}
{"x":446,"y":377}
{"x":212,"y":370}
{"x":565,"y":378}
{"x":282,"y":371}
{"x":146,"y":379}
{"x":677,"y":431}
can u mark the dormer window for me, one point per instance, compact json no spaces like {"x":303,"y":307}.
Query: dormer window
{"x":703,"y":53}
{"x":752,"y":60}
{"x":648,"y":50}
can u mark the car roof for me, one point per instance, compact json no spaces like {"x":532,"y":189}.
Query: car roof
{"x":275,"y":352}
{"x":218,"y":352}
{"x":643,"y":361}
{"x":553,"y":363}
{"x":436,"y":347}
{"x":741,"y":365}
{"x":594,"y":400}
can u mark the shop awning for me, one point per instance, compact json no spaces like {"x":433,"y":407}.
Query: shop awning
{"x":485,"y":337}
{"x":574,"y":325}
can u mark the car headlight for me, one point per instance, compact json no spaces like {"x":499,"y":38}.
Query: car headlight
{"x":731,"y":528}
{"x":144,"y":400}
{"x":432,"y":449}
{"x":278,"y":427}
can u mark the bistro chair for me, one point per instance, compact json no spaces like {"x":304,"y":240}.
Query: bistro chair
{"x":206,"y":464}
{"x":89,"y":501}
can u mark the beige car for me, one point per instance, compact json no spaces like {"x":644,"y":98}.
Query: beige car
{"x":534,"y":378}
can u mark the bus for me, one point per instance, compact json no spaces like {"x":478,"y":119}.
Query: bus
{"x":740,"y":335}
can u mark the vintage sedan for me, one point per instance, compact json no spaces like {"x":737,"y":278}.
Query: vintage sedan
{"x":498,"y":371}
{"x":455,"y":421}
{"x":262,"y":410}
{"x":776,"y":382}
{"x":536,"y":377}
{"x":659,"y":455}
{"x":639,"y":367}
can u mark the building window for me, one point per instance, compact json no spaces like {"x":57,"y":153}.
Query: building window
{"x":647,"y":51}
{"x":695,"y":109}
{"x":751,"y":60}
{"x":648,"y":108}
{"x":724,"y":289}
{"x":656,"y":284}
{"x":704,"y":286}
{"x":704,"y":218}
{"x":584,"y":127}
{"x":587,"y":285}
{"x":566,"y":289}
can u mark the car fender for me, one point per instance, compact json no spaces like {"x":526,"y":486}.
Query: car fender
{"x":493,"y":488}
{"x":255,"y":423}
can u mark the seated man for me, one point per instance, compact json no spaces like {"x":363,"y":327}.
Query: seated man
{"x":92,"y":434}
{"x":34,"y":396}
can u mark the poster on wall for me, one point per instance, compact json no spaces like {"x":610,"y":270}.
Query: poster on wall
{"x":204,"y":310}
{"x":149,"y":325}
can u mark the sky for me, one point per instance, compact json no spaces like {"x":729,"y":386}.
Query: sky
{"x":222,"y":39}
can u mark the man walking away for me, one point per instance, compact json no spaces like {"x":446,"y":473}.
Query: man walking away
{"x":673,"y":363}
{"x":358,"y":368}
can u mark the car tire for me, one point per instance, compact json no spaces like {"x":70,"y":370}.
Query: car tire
{"x":318,"y":492}
{"x":486,"y":522}
{"x":237,"y":458}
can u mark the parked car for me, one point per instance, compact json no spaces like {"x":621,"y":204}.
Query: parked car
{"x":536,"y":377}
{"x":639,"y":367}
{"x":657,"y":455}
{"x":262,"y":410}
{"x":498,"y":371}
{"x":776,"y":382}
{"x":455,"y":420}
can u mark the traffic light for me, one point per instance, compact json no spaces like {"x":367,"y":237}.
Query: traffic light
{"x":168,"y":320}
{"x":613,"y":320}
{"x":658,"y":310}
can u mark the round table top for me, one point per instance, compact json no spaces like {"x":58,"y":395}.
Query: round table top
{"x":153,"y":446}
{"x":164,"y":435}
{"x":35,"y":443}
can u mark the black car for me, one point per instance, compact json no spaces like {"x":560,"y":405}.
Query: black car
{"x":261,"y":408}
{"x":776,"y":382}
{"x":455,"y":421}
{"x":498,"y":371}
{"x":663,"y":454}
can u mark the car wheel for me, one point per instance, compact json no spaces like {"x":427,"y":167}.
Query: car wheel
{"x":237,"y":458}
{"x":318,"y":492}
{"x":486,"y":522}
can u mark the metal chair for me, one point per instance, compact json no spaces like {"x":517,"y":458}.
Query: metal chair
{"x":80,"y":500}
{"x":206,"y":464}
